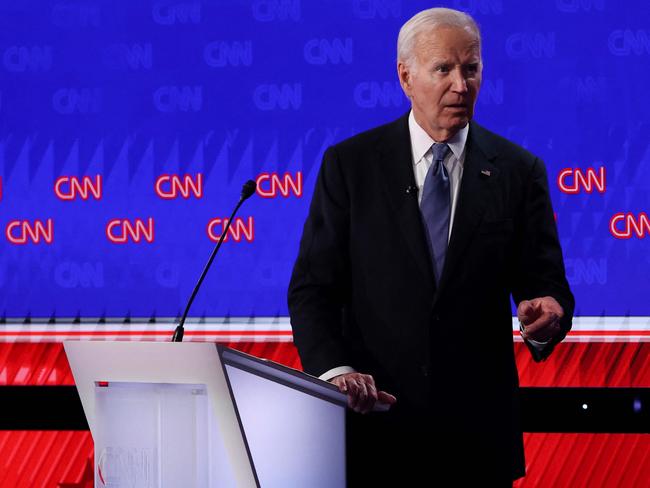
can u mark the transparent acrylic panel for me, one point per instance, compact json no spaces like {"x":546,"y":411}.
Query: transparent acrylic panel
{"x":152,"y":435}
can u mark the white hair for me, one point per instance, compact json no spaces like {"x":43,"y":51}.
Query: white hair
{"x":425,"y":21}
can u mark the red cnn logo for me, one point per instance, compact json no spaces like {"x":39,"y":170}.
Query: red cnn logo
{"x":630,"y":225}
{"x":273,"y":185}
{"x":21,"y":231}
{"x":586,"y":180}
{"x":169,"y":187}
{"x":120,"y":231}
{"x":70,"y":187}
{"x":238,"y":230}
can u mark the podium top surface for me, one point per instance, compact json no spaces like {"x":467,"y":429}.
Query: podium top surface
{"x":181,"y":362}
{"x":282,"y":374}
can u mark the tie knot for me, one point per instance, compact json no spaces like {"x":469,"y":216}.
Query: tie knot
{"x":439,"y":151}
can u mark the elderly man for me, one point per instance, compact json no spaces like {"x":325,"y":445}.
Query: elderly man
{"x":418,"y":233}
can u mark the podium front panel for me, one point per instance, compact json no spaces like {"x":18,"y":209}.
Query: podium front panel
{"x":295,"y":438}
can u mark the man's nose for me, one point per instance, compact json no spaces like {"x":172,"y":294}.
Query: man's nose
{"x":459,"y":83}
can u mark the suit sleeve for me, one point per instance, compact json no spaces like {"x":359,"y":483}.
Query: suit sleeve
{"x":539,"y":270}
{"x":319,"y":284}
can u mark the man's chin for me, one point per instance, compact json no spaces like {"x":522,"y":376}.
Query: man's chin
{"x":457,"y":123}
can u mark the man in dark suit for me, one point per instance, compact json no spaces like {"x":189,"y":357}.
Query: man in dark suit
{"x":418,"y":233}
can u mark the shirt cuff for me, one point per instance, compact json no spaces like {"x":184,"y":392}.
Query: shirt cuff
{"x":538,"y":345}
{"x":328,"y":375}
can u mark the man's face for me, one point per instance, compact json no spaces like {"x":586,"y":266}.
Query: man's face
{"x":444,"y":80}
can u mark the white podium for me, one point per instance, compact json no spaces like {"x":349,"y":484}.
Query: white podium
{"x":181,"y":415}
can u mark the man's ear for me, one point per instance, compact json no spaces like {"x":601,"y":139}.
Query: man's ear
{"x":404,"y":75}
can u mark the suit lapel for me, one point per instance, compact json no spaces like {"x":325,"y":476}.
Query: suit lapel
{"x":396,"y":163}
{"x":479,"y":178}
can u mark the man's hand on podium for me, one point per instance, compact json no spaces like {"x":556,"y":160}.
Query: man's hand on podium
{"x":361,"y":391}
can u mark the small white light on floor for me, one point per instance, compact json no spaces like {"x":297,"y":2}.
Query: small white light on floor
{"x":585,"y":406}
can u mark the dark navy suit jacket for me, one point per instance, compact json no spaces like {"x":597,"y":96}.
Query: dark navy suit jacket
{"x":363,"y":292}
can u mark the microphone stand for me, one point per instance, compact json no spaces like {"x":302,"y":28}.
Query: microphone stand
{"x":248,"y":189}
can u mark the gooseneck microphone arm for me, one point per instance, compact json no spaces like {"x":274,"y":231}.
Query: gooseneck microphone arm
{"x":247,"y":190}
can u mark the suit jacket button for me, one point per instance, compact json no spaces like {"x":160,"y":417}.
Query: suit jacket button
{"x":425,"y":370}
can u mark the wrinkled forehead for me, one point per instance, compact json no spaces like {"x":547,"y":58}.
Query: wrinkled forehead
{"x":448,"y":41}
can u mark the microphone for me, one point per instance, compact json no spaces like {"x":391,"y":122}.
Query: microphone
{"x":247,"y":190}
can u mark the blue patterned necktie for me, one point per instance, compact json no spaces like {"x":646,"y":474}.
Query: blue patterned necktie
{"x":436,"y":207}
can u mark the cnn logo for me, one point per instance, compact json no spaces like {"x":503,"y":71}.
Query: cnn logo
{"x":271,"y":185}
{"x":169,"y":187}
{"x":122,"y":231}
{"x":73,"y":187}
{"x":20,"y":232}
{"x":627,"y":225}
{"x":575,"y":180}
{"x":239,"y":230}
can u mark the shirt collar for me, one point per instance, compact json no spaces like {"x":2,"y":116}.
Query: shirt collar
{"x":421,"y":141}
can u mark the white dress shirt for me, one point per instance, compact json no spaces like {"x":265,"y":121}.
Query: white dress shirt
{"x":454,"y":162}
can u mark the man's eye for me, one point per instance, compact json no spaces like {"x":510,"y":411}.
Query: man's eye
{"x":443,"y":68}
{"x":472,"y":68}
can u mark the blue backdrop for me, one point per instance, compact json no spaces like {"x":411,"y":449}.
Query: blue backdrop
{"x":232,"y":90}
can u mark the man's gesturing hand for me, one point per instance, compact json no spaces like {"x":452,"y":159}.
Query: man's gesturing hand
{"x":361,"y":390}
{"x":540,"y":318}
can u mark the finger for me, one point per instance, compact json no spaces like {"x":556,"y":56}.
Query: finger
{"x":545,"y":321}
{"x":369,"y":379}
{"x":365,"y":404}
{"x":543,"y":331}
{"x":361,"y":396}
{"x":352,"y":391}
{"x":522,"y":309}
{"x":385,"y":397}
{"x":540,"y":308}
{"x":371,"y":399}
{"x":551,"y":303}
{"x":528,"y":311}
{"x":341,"y":383}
